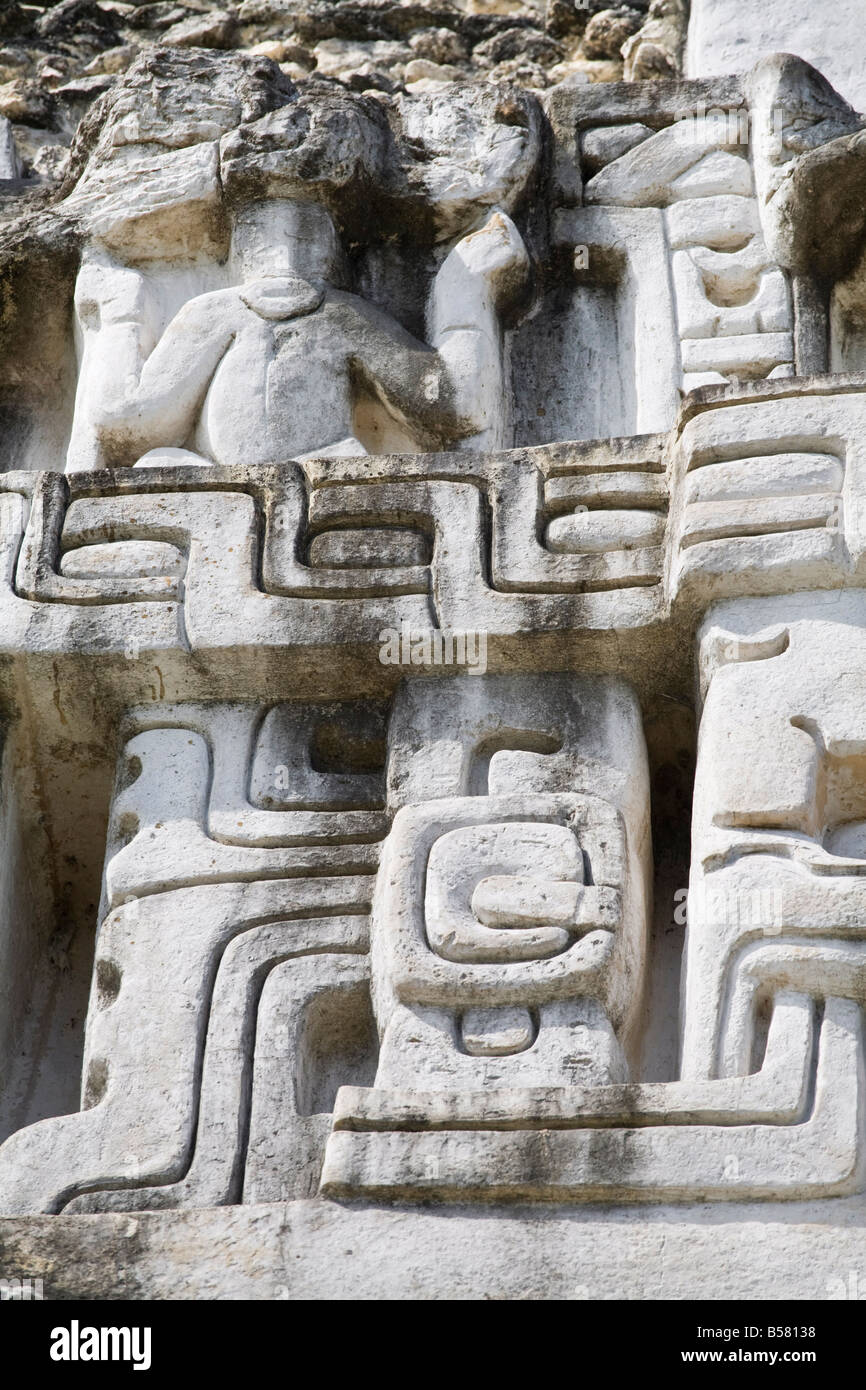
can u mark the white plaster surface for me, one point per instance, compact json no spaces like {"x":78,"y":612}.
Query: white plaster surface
{"x":730,"y":35}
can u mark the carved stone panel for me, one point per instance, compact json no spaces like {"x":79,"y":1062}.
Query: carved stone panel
{"x":432,"y":648}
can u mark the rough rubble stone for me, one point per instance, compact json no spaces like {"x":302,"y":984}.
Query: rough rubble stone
{"x":83,"y":20}
{"x":216,"y":29}
{"x":525,"y":45}
{"x":366,"y":45}
{"x":27,"y":102}
{"x":438,"y":46}
{"x":655,"y":50}
{"x":16,"y":23}
{"x":563,"y":17}
{"x":158,"y":16}
{"x":608,"y":30}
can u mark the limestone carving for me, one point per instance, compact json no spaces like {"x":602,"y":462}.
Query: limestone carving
{"x":432,"y":647}
{"x":264,"y":371}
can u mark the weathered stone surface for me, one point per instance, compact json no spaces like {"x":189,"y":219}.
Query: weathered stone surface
{"x":214,"y":30}
{"x":16,"y":23}
{"x":314,"y":1250}
{"x":608,"y":30}
{"x":432,"y":575}
{"x":368,"y":45}
{"x":731,"y":35}
{"x":84,"y":20}
{"x":809,"y":160}
{"x":655,"y":50}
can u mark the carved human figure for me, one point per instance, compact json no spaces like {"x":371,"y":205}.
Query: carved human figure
{"x":269,"y":367}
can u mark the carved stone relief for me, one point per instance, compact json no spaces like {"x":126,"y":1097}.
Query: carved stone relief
{"x":432,"y":656}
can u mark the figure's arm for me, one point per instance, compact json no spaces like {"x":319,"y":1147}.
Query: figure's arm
{"x":137,"y":392}
{"x":407,"y":376}
{"x":159,"y":403}
{"x":115,"y":332}
{"x":455,"y":388}
{"x":478,"y":278}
